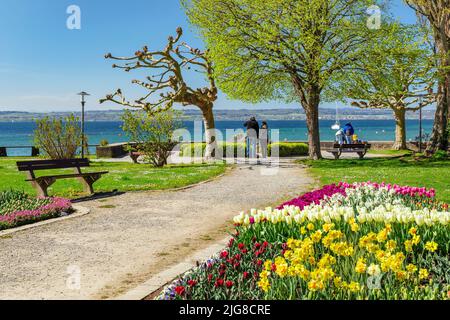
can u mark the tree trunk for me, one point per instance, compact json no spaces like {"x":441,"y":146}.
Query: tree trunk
{"x":310,"y":100}
{"x":210,"y":132}
{"x":439,"y":136}
{"x":312,"y":122}
{"x":400,"y":129}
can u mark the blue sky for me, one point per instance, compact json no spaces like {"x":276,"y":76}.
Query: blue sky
{"x":43,"y":64}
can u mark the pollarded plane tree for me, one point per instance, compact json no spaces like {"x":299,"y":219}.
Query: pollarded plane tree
{"x":397,"y":73}
{"x":169,"y":67}
{"x":437,"y":13}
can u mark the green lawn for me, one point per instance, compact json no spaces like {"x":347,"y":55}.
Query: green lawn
{"x":405,"y":171}
{"x":391,"y":152}
{"x":121,"y":176}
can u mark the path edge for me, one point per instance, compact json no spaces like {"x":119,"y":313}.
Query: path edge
{"x":164,"y":278}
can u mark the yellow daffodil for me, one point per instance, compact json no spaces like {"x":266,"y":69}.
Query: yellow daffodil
{"x":354,"y":286}
{"x":411,"y":268}
{"x":431,"y":246}
{"x":316,"y":236}
{"x":416,"y":239}
{"x":412,"y":231}
{"x":408,"y":246}
{"x":327,"y":227}
{"x":423,"y":274}
{"x":391,"y":245}
{"x":360,"y":266}
{"x":310,"y":227}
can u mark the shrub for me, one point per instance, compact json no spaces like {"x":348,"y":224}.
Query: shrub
{"x":153,"y":134}
{"x":286,"y":149}
{"x":440,"y":155}
{"x":192,"y":149}
{"x":104,"y":143}
{"x":59,"y":138}
{"x":290,"y":149}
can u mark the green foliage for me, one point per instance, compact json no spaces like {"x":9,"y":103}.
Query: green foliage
{"x":286,"y":149}
{"x":398,"y":65}
{"x":290,"y":149}
{"x":440,"y":155}
{"x":15,"y":200}
{"x":58,"y":138}
{"x":198,"y":149}
{"x":259,"y":48}
{"x":153,"y":133}
{"x":104,"y":143}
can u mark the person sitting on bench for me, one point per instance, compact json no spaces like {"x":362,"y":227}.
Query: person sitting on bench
{"x":340,"y":136}
{"x":349,"y":132}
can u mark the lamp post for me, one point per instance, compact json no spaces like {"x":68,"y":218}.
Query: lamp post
{"x":83,"y":102}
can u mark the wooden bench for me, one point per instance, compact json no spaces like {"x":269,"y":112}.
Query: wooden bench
{"x":42,"y":183}
{"x":359,"y":148}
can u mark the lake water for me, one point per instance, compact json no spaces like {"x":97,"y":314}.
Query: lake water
{"x":21,"y":133}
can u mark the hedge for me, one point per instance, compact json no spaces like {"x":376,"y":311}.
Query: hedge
{"x":286,"y":149}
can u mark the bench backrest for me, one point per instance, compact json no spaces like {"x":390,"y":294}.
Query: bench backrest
{"x":51,"y":164}
{"x":352,"y":145}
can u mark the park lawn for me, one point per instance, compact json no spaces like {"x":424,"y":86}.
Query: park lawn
{"x":428,"y":173}
{"x":121,"y":177}
{"x":390,"y":152}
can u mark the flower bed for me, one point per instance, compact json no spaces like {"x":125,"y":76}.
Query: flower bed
{"x":17,"y":208}
{"x":345,"y":241}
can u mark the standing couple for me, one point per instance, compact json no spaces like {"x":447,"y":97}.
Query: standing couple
{"x":256,"y":133}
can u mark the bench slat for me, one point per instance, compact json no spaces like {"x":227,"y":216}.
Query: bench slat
{"x":65,"y":176}
{"x":51,"y":164}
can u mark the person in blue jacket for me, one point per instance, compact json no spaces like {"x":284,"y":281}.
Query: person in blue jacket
{"x":349,"y":132}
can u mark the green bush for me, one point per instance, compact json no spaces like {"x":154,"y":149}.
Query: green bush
{"x":190,"y":149}
{"x":286,"y":149}
{"x":440,"y":155}
{"x":58,"y":138}
{"x":290,"y":149}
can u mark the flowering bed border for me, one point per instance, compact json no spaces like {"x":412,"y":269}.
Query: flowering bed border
{"x":231,"y":273}
{"x":54,"y":209}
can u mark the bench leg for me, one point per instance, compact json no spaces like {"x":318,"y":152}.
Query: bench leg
{"x":41,"y":186}
{"x":88,"y":182}
{"x":361,"y":155}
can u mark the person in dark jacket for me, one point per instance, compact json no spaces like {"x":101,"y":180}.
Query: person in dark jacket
{"x":252,"y":136}
{"x":349,"y":132}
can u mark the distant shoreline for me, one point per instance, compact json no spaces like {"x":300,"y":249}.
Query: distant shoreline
{"x":227,"y":115}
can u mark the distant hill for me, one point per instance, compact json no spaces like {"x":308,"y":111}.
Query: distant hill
{"x":220,"y":114}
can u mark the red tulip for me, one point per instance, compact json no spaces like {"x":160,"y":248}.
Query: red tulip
{"x":245,"y":275}
{"x":192,"y":283}
{"x":180,"y":290}
{"x":224,"y":254}
{"x":229,"y":283}
{"x":219,"y":283}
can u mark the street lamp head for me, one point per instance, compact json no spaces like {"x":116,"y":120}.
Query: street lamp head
{"x":83,"y":94}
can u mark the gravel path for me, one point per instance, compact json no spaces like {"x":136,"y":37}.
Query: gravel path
{"x":128,"y":238}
